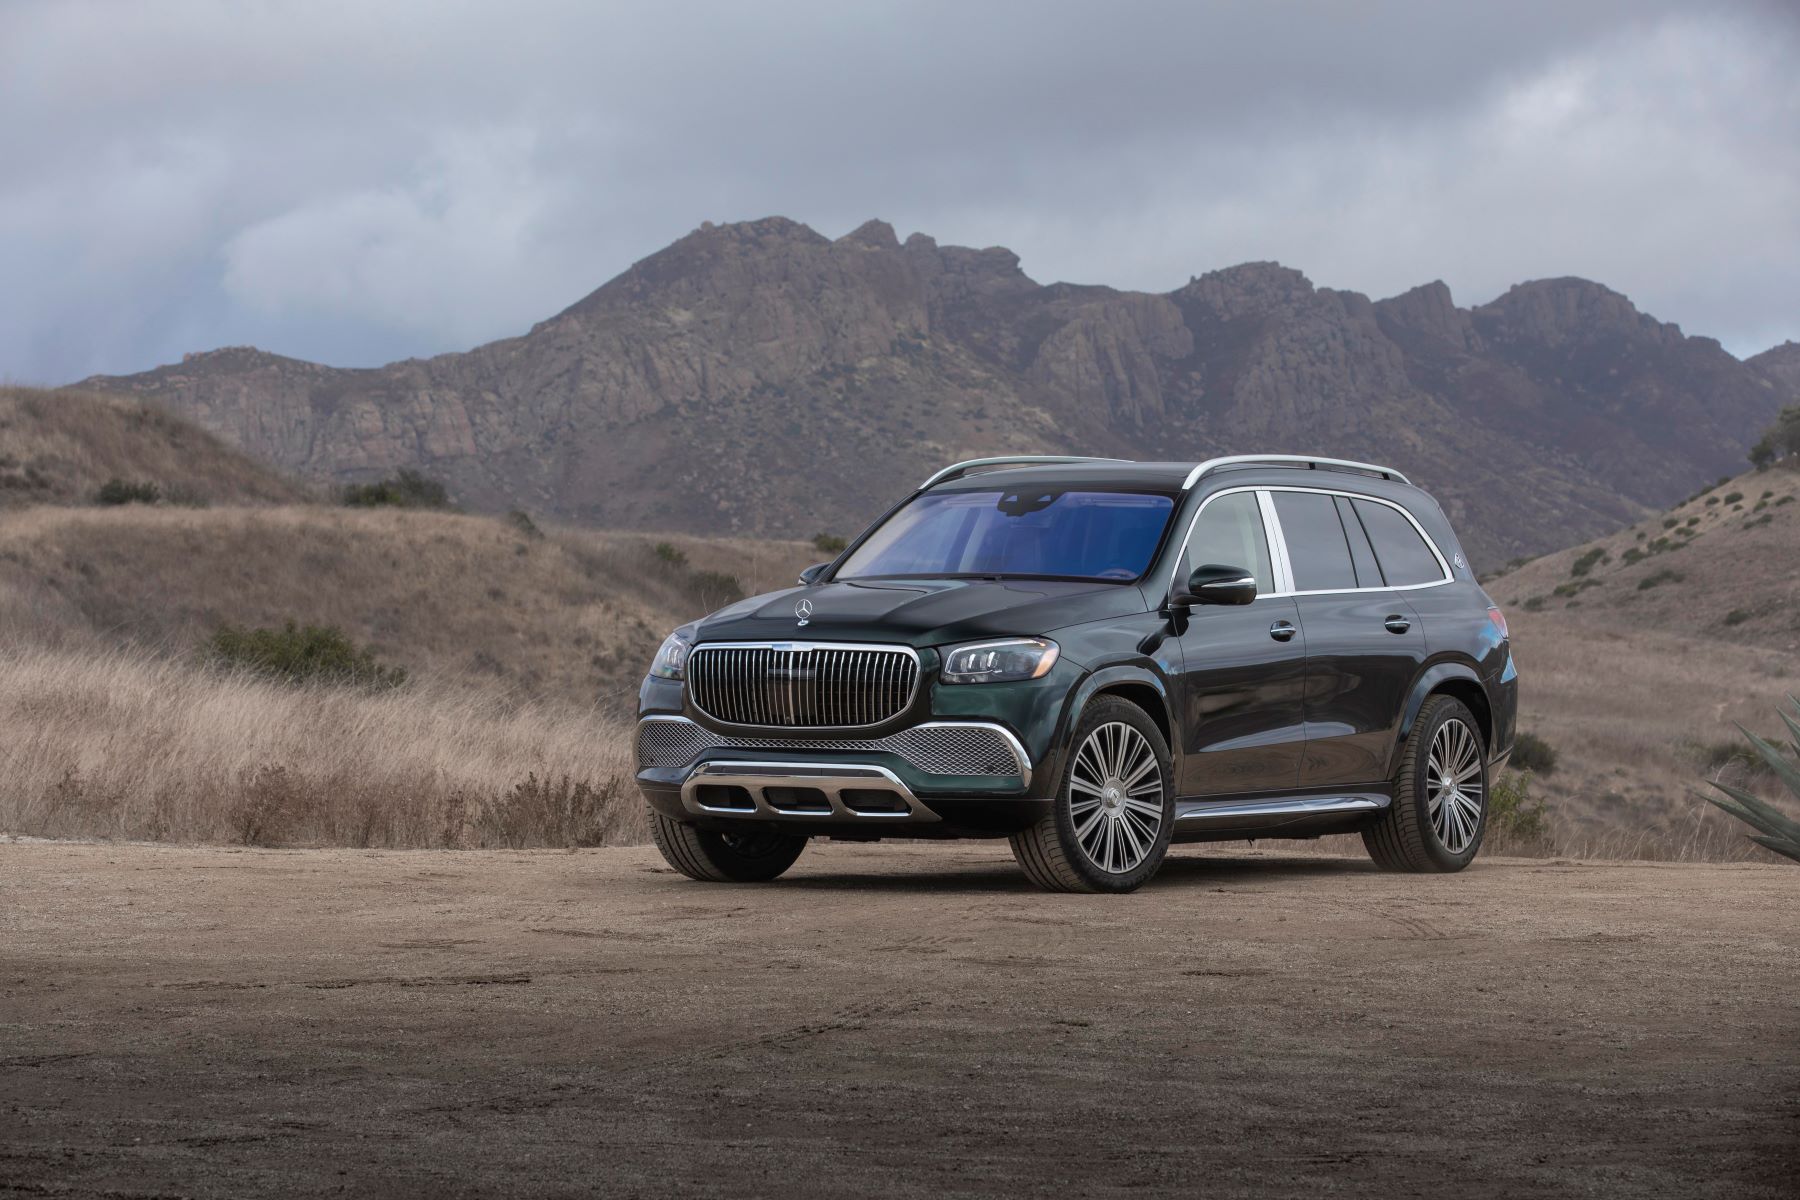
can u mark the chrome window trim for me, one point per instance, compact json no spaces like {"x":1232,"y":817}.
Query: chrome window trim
{"x":1020,"y":756}
{"x":1282,"y":564}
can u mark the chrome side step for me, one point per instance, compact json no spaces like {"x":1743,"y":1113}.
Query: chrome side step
{"x":1231,"y":811}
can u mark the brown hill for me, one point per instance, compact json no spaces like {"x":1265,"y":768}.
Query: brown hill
{"x":1640,"y":652}
{"x":568,"y":615}
{"x":60,"y":447}
{"x":762,"y":379}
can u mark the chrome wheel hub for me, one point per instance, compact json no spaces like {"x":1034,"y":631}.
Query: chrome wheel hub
{"x":1116,"y":798}
{"x":1453,"y":785}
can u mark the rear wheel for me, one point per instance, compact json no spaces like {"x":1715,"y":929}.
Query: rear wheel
{"x":1439,"y":813}
{"x":713,"y":857}
{"x":1108,"y":830}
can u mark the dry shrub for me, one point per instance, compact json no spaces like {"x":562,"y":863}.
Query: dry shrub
{"x":128,"y":746}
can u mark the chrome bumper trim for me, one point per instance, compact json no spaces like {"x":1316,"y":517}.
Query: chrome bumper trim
{"x":832,"y":780}
{"x":899,"y":743}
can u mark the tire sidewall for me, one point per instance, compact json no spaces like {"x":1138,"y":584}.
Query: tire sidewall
{"x":1105,"y":710}
{"x":1423,"y":736}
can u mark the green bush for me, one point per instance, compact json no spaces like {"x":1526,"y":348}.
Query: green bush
{"x":1535,"y":604}
{"x":521,"y":521}
{"x":1533,"y":753}
{"x":1586,"y":562}
{"x":120,"y":491}
{"x":1782,"y":439}
{"x":301,"y":654}
{"x":1775,"y":830}
{"x":1733,"y":497}
{"x":1738,"y":616}
{"x":1657,"y":579}
{"x":1513,"y":811}
{"x":829,"y":543}
{"x":406,"y":489}
{"x":1575,"y":587}
{"x":666,"y":552}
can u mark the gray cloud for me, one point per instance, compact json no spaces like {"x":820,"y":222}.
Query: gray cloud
{"x":355,"y":183}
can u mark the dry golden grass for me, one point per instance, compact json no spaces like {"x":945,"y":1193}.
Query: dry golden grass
{"x":122,"y":745}
{"x":59,"y":447}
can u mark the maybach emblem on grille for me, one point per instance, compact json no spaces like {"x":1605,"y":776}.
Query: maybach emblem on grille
{"x":803,"y":611}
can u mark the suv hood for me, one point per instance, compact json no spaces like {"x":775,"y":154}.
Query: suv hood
{"x":920,"y":612}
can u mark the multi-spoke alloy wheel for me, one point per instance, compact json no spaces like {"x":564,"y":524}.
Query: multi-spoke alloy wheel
{"x":1453,"y":785}
{"x":1439,"y":809}
{"x":1108,"y":827}
{"x":1116,"y":797}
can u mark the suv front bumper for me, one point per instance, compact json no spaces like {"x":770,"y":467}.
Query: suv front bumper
{"x":938,"y":778}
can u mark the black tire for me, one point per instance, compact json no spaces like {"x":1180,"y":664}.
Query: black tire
{"x":1408,"y":837}
{"x":711,"y":857}
{"x":1051,"y":851}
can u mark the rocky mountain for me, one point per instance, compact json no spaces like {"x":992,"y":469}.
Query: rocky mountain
{"x":1780,"y":365}
{"x":759,"y":378}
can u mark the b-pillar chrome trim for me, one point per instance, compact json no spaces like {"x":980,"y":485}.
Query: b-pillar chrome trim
{"x":831,"y":780}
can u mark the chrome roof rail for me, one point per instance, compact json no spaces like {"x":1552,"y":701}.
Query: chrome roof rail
{"x":1290,"y":460}
{"x":960,"y":469}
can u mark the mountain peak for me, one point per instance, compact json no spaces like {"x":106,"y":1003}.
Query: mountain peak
{"x":1561,"y":309}
{"x":873,"y":232}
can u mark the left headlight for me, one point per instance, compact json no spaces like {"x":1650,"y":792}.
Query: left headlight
{"x":999,"y":662}
{"x":671,"y":658}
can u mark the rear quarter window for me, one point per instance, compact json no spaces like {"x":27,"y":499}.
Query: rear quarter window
{"x":1317,"y":549}
{"x":1404,"y":557}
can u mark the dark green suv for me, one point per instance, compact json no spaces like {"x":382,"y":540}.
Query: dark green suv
{"x":1096,"y":658}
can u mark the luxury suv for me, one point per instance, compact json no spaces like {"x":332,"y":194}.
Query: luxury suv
{"x":1094,"y":659}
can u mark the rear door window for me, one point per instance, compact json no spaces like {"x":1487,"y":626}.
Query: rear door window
{"x":1361,"y":555}
{"x":1405,"y":558}
{"x":1317,"y":549}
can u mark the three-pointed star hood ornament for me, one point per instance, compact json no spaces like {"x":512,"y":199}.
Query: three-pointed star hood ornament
{"x":803,"y":611}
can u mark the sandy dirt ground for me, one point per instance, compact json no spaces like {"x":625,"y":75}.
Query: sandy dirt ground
{"x":893,"y":1021}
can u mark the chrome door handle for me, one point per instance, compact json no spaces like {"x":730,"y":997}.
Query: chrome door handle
{"x":1397,"y":623}
{"x":1283,"y":631}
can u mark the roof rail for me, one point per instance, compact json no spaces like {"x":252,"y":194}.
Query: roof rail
{"x":958,"y":470}
{"x":1290,"y":460}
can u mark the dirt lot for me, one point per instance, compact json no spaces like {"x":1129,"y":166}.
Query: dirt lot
{"x":889,"y":1021}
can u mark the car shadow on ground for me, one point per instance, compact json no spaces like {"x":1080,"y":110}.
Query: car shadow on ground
{"x":987,"y":875}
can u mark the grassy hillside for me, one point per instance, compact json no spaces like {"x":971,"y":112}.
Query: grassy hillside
{"x":1640,"y":652}
{"x":565,"y":615}
{"x":62,"y":447}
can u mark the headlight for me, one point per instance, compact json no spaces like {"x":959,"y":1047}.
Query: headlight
{"x":999,"y":662}
{"x":671,"y":658}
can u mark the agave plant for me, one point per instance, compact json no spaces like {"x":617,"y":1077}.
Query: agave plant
{"x":1779,"y":833}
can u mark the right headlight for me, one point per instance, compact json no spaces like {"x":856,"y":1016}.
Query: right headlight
{"x":999,"y":662}
{"x":671,"y":658}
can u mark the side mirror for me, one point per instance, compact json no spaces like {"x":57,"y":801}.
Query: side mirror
{"x":1215,"y":583}
{"x":811,"y":575}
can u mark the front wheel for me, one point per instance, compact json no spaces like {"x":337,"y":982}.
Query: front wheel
{"x":1108,"y":830}
{"x":712,"y":857}
{"x":1439,"y":813}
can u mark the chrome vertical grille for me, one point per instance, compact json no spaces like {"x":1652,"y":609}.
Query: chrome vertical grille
{"x":798,"y":685}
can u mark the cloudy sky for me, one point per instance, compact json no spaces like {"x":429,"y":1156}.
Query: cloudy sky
{"x":363,"y":181}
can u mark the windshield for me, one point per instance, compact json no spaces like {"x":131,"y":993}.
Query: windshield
{"x":1036,"y":533}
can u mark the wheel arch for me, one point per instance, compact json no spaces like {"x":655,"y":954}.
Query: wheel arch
{"x":1140,"y":685}
{"x":1448,"y":678}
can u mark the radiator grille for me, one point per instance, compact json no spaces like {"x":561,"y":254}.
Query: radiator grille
{"x":947,"y":749}
{"x":801,"y":686}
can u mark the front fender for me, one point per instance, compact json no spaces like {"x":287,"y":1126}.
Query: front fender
{"x":1103,"y":679}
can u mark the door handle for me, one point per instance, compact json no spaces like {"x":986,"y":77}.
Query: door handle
{"x":1397,"y":623}
{"x":1283,"y":631}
